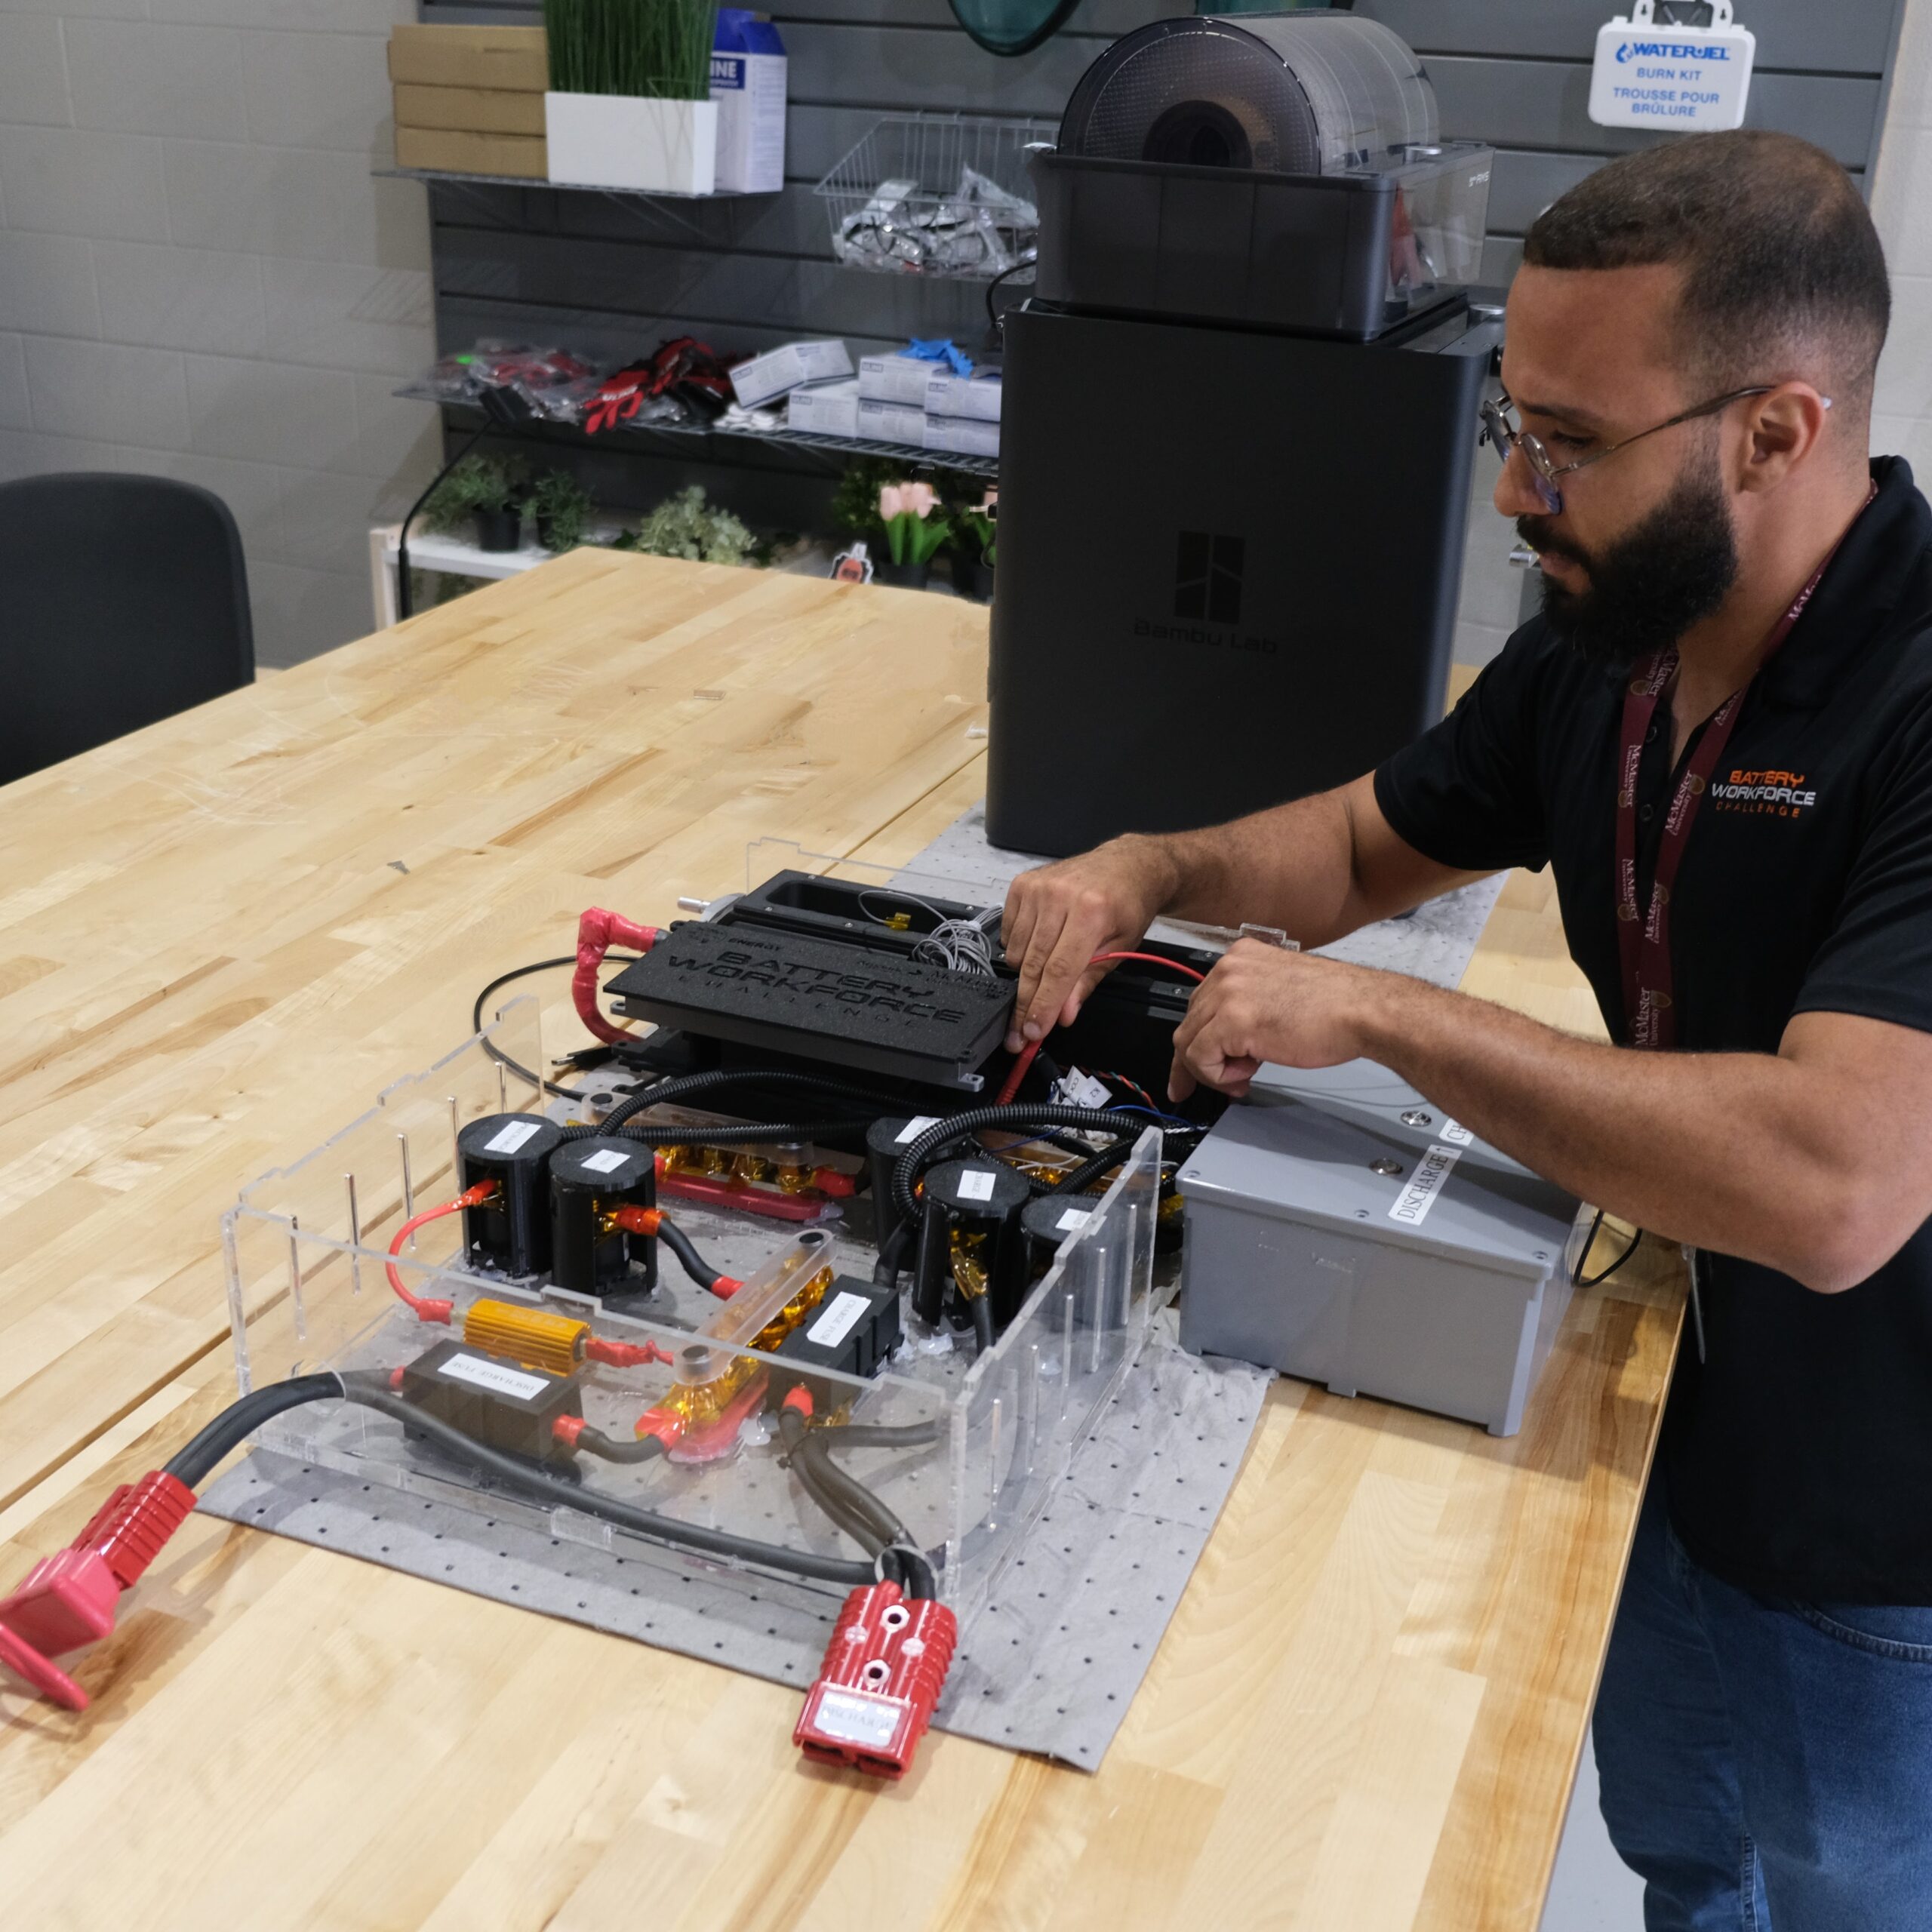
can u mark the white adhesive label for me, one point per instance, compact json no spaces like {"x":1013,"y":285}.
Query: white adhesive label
{"x":508,"y":1139}
{"x":1071,"y":1219}
{"x":976,"y":1184}
{"x":1456,"y":1133}
{"x":1077,"y":1089}
{"x":854,"y":1718}
{"x":1683,"y":79}
{"x":837,"y":1319}
{"x":486,"y":1374}
{"x":608,"y":1160}
{"x":915,"y":1128}
{"x":1413,"y":1204}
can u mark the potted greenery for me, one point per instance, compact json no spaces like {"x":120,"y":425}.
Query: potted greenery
{"x":560,"y":507}
{"x":974,"y":556}
{"x":629,"y":104}
{"x":685,"y":525}
{"x":916,"y":528}
{"x":486,"y":492}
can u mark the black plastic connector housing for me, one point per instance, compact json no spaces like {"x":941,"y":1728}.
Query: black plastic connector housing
{"x":501,"y":1405}
{"x":511,"y":1231}
{"x":854,"y":1331}
{"x":980,"y":1201}
{"x":588,"y":1179}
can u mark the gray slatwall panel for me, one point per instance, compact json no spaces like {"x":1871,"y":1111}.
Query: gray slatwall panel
{"x":1810,"y":36}
{"x":581,"y":269}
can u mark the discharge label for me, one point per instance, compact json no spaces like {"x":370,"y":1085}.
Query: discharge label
{"x":916,"y":1126}
{"x":976,"y":1184}
{"x":485,"y":1374}
{"x":608,"y":1160}
{"x":837,"y":1319}
{"x":1456,"y":1133}
{"x":1070,"y":1218}
{"x":854,"y":1718}
{"x":1413,"y":1204}
{"x":508,"y":1139}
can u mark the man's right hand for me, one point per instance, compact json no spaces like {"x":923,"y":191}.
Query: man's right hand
{"x":1059,"y":916}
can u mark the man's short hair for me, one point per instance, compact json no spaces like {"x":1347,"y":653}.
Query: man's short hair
{"x":1779,"y":255}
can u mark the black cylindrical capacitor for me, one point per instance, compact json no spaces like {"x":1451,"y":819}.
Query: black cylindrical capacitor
{"x":588,"y":1178}
{"x":1094,"y":1283}
{"x":1048,"y":1220}
{"x":511,"y":1231}
{"x":885,"y":1141}
{"x":978,"y":1202}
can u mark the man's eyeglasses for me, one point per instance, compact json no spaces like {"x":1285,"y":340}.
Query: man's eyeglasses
{"x":1498,"y":428}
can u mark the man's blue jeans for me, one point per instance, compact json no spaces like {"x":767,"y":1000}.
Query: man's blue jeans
{"x":1765,"y":1765}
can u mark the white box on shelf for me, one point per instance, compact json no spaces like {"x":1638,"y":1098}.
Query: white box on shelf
{"x":976,"y":396}
{"x":748,"y":83}
{"x":621,"y":140}
{"x":788,"y":367}
{"x":890,"y":422}
{"x":896,"y":378}
{"x":961,"y":435}
{"x":825,"y":409}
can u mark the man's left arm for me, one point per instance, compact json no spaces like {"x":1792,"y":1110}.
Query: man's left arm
{"x":1815,"y":1160}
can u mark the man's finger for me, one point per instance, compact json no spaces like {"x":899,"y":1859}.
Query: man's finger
{"x":1043,"y":937}
{"x":1058,"y":977}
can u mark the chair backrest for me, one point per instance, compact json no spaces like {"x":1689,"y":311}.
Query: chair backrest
{"x":123,"y":600}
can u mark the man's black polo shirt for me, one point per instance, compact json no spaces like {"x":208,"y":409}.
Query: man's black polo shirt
{"x":1798,"y":1456}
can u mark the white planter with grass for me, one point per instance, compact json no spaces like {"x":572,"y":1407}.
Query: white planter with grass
{"x":617,"y":140}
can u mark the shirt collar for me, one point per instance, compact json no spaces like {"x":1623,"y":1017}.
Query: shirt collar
{"x":1874,"y":567}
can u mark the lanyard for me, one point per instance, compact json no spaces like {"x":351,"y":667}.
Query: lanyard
{"x":1643,"y":934}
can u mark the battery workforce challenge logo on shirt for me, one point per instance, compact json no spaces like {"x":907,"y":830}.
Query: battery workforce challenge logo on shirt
{"x":1781,"y":794}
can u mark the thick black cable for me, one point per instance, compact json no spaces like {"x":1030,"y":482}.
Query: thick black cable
{"x":972,"y":1120}
{"x":818,"y":1482}
{"x":197,"y":1459}
{"x":755,"y":1133}
{"x":862,"y":1515}
{"x":404,"y":603}
{"x":983,"y":1323}
{"x":497,"y":1053}
{"x":891,"y":1262}
{"x":371,"y":1391}
{"x":689,"y":1259}
{"x":615,"y":1449}
{"x":1577,"y":1278}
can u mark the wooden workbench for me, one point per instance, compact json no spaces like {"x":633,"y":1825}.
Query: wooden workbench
{"x":219,"y":937}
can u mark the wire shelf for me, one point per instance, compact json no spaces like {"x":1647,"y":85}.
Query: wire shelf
{"x":945,"y":196}
{"x":462,"y":178}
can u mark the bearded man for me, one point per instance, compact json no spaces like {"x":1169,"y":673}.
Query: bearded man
{"x":1718,"y":735}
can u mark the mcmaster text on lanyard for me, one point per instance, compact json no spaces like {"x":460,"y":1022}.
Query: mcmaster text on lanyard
{"x":1643,"y":934}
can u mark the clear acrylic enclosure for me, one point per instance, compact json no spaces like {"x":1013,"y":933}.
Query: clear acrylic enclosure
{"x":307,"y":1247}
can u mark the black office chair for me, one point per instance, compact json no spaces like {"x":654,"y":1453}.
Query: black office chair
{"x":123,"y":600}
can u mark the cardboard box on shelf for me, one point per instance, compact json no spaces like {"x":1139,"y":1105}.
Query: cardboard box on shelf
{"x":976,"y":396}
{"x":470,"y":110}
{"x":826,"y":409}
{"x":961,"y":435}
{"x":516,"y":59}
{"x":890,"y":422}
{"x":456,"y":151}
{"x":788,"y":367}
{"x":896,"y":378}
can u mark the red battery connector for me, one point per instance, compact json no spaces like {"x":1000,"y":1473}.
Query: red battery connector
{"x":884,"y":1670}
{"x":69,"y":1599}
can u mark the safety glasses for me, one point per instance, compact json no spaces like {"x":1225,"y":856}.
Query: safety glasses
{"x":1498,"y":430}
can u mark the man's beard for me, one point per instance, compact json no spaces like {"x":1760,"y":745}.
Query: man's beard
{"x":1647,"y":587}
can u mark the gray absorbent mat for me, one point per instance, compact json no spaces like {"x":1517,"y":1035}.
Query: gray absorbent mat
{"x":1050,"y":1665}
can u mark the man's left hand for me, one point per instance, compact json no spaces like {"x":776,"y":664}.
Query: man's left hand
{"x":1261,"y":1003}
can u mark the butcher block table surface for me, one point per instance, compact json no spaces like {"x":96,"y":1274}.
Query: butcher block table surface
{"x":221,"y":937}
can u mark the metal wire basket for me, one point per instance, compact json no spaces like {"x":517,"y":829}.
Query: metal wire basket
{"x":936,"y":195}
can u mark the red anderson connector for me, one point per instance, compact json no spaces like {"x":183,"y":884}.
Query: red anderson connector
{"x":69,"y":1599}
{"x":884,"y":1670}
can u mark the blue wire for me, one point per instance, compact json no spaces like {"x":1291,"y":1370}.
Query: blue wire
{"x":1166,"y":1120}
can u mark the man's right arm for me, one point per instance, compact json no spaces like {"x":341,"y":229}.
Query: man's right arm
{"x":1317,"y":868}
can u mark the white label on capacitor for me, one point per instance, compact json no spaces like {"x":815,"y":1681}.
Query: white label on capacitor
{"x":1413,"y":1204}
{"x":854,"y":1718}
{"x":1070,"y":1218}
{"x":1456,"y":1133}
{"x":508,"y":1139}
{"x":608,"y":1160}
{"x":915,"y":1128}
{"x":976,"y":1184}
{"x":837,"y":1319}
{"x":486,"y":1374}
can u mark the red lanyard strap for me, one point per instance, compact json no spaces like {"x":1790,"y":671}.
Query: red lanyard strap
{"x":1643,"y":933}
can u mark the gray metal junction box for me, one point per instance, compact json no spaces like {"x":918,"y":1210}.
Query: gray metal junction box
{"x":1341,"y":1228}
